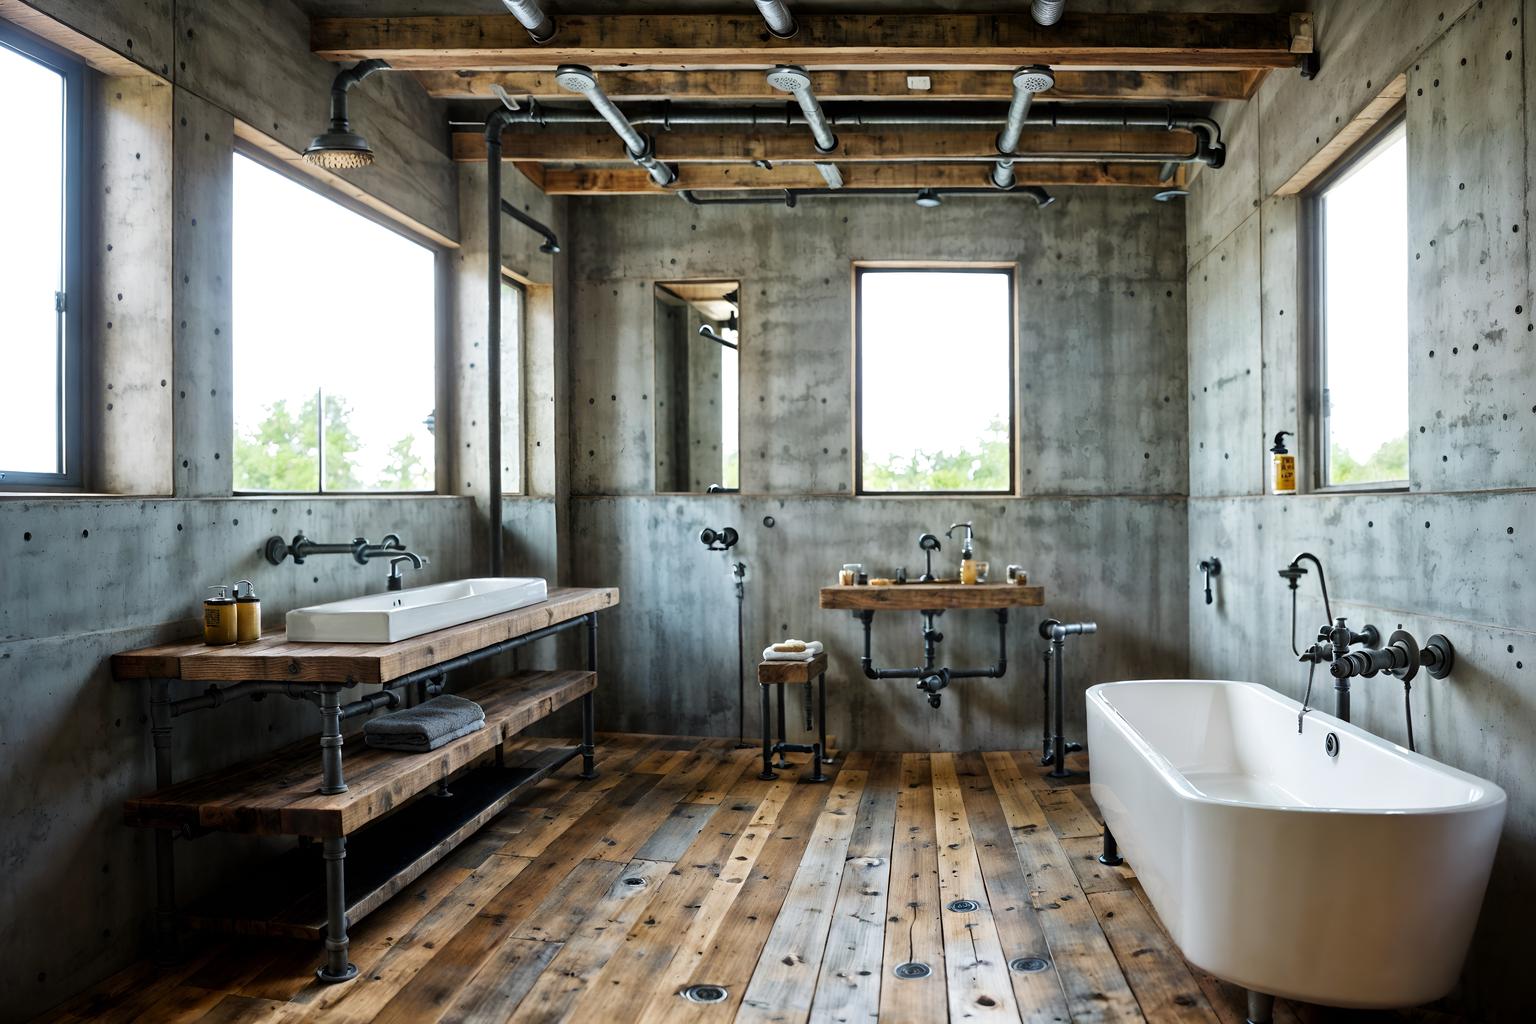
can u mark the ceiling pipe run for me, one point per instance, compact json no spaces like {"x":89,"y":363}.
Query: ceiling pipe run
{"x":796,"y":82}
{"x":928,"y":197}
{"x":641,"y":148}
{"x":539,"y":25}
{"x":1047,"y":12}
{"x":776,"y":15}
{"x":1027,"y":82}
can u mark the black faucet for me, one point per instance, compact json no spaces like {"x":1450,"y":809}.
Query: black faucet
{"x":362,"y":552}
{"x":396,"y":580}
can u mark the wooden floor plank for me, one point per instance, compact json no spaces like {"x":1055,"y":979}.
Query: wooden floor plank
{"x":978,"y":983}
{"x":913,"y":933}
{"x":1038,"y":992}
{"x":1165,"y":990}
{"x":601,"y":900}
{"x":848,"y":988}
{"x":1096,"y":989}
{"x":586,"y":950}
{"x":732,"y":955}
{"x":784,"y":982}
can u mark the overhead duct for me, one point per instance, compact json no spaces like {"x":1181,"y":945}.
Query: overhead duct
{"x":796,"y":82}
{"x":1047,"y":12}
{"x":641,"y":149}
{"x":776,"y":14}
{"x":539,"y":25}
{"x":1027,"y":82}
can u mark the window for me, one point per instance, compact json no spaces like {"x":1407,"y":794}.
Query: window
{"x":335,"y":332}
{"x":40,"y":294}
{"x":934,"y":385}
{"x":1359,"y":220}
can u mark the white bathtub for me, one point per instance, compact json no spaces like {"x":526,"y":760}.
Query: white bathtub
{"x":1350,"y":881}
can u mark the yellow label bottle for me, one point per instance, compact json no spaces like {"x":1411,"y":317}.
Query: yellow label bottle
{"x":1284,"y":466}
{"x":247,"y":613}
{"x":219,"y":618}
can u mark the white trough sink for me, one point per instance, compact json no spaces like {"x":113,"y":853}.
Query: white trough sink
{"x":402,"y":614}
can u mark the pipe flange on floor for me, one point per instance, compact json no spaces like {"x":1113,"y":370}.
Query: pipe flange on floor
{"x":912,"y":970}
{"x":705,"y":993}
{"x":963,"y":906}
{"x":1029,"y":964}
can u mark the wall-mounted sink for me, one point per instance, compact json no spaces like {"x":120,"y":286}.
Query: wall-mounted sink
{"x":402,"y":614}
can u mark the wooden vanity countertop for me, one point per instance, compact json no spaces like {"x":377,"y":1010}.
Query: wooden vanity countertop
{"x":936,"y":596}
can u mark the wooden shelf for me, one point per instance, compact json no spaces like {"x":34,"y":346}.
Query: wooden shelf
{"x":279,"y":794}
{"x":274,"y":659}
{"x":286,"y":897}
{"x":936,"y":596}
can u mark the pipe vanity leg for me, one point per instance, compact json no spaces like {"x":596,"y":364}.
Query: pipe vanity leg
{"x":1261,"y":1008}
{"x":165,"y":855}
{"x":1111,"y":855}
{"x":767,"y":772}
{"x":783,"y":733}
{"x":331,"y":778}
{"x":589,"y":707}
{"x":337,"y":946}
{"x":821,"y":686}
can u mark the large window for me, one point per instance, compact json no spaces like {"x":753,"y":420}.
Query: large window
{"x":40,"y":295}
{"x":1359,"y":217}
{"x":334,"y":344}
{"x":934,"y":379}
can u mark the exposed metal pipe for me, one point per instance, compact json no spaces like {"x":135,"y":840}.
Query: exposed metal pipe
{"x":796,"y":82}
{"x":790,"y":197}
{"x":551,"y":243}
{"x":539,"y":25}
{"x":1047,"y":12}
{"x":778,"y":17}
{"x":641,"y":148}
{"x":494,"y":126}
{"x":1207,"y":132}
{"x":1026,"y":83}
{"x":706,"y":331}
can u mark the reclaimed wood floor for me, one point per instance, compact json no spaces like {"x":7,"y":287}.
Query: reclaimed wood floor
{"x":598,"y":902}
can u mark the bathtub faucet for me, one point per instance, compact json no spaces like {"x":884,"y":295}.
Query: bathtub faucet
{"x":1334,"y":640}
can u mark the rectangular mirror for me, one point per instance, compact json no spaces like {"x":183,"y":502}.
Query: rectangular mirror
{"x":697,"y":338}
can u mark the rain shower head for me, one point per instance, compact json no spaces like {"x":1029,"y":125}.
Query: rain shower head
{"x":340,"y":148}
{"x":928,"y":199}
{"x":790,"y":79}
{"x":575,"y":78}
{"x":1035,"y":78}
{"x":1167,"y":195}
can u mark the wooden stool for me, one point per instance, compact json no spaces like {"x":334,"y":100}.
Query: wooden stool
{"x":788,"y":673}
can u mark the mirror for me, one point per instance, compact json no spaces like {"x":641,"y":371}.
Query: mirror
{"x":697,"y":334}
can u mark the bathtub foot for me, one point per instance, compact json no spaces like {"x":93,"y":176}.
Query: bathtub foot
{"x":1111,"y":855}
{"x":1261,"y":1008}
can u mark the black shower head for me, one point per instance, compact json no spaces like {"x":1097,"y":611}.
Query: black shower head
{"x":340,"y":148}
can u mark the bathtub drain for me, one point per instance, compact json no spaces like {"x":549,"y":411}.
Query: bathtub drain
{"x":964,"y":906}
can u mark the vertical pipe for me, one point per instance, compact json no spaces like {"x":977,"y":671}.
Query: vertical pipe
{"x":1341,"y":700}
{"x":165,"y":862}
{"x":589,"y":706}
{"x":493,"y":334}
{"x":337,"y":967}
{"x":777,"y":17}
{"x":1059,"y":770}
{"x":783,"y":738}
{"x":1047,"y":12}
{"x":532,"y":17}
{"x":331,"y":778}
{"x":821,"y":686}
{"x":767,"y":772}
{"x":1026,"y":82}
{"x":1045,"y":715}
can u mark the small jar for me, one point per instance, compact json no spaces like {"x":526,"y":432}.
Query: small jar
{"x":219,"y":618}
{"x":849,"y":574}
{"x":981,"y":570}
{"x":1017,"y":575}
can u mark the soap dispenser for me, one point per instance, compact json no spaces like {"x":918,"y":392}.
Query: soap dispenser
{"x":967,"y":555}
{"x":247,"y":613}
{"x":1284,"y":465}
{"x":219,"y":618}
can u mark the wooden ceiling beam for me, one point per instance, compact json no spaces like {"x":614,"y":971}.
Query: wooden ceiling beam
{"x":749,"y":86}
{"x":738,"y":177}
{"x":937,"y":41}
{"x":727,"y":146}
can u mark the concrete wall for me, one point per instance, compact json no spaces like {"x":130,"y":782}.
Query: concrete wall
{"x":1100,"y":521}
{"x":84,"y":577}
{"x":1454,"y":553}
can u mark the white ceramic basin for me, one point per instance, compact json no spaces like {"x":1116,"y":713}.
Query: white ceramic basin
{"x":402,"y":614}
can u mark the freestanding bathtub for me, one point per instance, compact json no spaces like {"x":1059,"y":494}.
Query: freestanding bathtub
{"x":1351,"y":879}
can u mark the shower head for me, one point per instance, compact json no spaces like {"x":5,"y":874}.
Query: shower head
{"x":928,"y":199}
{"x":790,"y":79}
{"x":340,"y":148}
{"x":575,"y":78}
{"x":1035,"y":78}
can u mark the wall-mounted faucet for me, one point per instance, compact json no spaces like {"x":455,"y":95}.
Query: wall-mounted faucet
{"x":1211,"y":567}
{"x":362,"y":552}
{"x":396,"y":580}
{"x":1401,"y":658}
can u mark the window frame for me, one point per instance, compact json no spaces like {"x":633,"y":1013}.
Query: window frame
{"x":1011,"y":271}
{"x":70,"y":333}
{"x":1314,"y":350}
{"x":441,"y":328}
{"x":741,"y":317}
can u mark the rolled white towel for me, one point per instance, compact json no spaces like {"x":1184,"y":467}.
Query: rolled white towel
{"x":812,"y":648}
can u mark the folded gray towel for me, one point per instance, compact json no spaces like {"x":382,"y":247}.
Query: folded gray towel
{"x":426,"y":726}
{"x":416,"y":744}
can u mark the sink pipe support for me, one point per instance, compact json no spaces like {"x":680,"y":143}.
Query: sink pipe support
{"x":933,"y":678}
{"x":1057,"y":632}
{"x":1047,"y":745}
